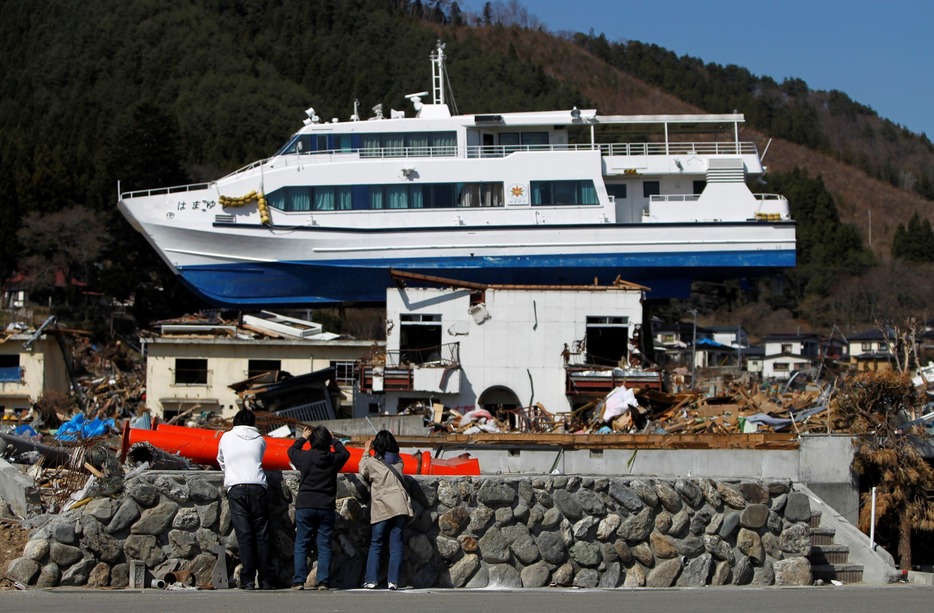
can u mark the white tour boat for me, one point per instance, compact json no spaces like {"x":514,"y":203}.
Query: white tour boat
{"x":522,"y":198}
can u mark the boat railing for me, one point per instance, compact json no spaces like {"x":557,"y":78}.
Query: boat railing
{"x":176,"y":189}
{"x":674,"y":198}
{"x":489,"y":151}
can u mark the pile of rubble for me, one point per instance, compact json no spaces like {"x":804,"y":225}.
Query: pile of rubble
{"x":743,"y":408}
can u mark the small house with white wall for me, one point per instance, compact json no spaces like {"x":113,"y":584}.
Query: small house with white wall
{"x":193,"y":363}
{"x":32,"y":363}
{"x":788,"y":353}
{"x":500,"y":347}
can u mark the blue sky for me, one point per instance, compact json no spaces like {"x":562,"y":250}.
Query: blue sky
{"x":879,"y":53}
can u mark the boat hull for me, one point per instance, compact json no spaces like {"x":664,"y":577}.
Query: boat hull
{"x":295,"y":283}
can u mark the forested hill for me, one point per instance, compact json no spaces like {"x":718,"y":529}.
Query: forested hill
{"x":151,"y":93}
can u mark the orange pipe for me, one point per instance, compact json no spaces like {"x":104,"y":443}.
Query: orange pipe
{"x":200,"y":445}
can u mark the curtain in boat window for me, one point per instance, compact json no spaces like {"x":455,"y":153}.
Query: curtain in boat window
{"x":417,"y":143}
{"x":534,"y":139}
{"x":393,"y":144}
{"x":417,"y":196}
{"x":397,"y":196}
{"x":588,"y":193}
{"x":444,"y":143}
{"x":324,"y":199}
{"x":299,"y":199}
{"x":541,"y":192}
{"x":370,"y":145}
{"x":276,"y":199}
{"x":343,"y":198}
{"x":376,"y":197}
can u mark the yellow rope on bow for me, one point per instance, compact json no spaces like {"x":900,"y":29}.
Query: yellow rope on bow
{"x":259,"y":197}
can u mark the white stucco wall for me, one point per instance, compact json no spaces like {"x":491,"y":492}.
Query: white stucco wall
{"x":43,"y":371}
{"x":518,"y":347}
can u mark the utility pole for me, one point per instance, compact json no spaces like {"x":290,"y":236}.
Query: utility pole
{"x":694,"y":352}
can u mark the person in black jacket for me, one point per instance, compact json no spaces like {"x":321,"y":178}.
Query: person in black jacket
{"x":316,"y":501}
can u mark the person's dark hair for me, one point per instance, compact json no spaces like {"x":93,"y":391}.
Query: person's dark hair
{"x":384,"y":442}
{"x":321,"y":439}
{"x":244,"y":417}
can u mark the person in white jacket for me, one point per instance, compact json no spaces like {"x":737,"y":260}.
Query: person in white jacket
{"x":240,"y":456}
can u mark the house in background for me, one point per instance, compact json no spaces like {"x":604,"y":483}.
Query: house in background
{"x":870,"y":350}
{"x":503,"y":347}
{"x":32,"y":363}
{"x":198,"y":362}
{"x":788,"y":353}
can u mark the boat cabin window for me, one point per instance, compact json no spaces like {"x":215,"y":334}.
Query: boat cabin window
{"x":617,"y":190}
{"x":397,"y":196}
{"x":305,"y":143}
{"x":650,"y":188}
{"x":699,"y":186}
{"x":546,"y":193}
{"x":408,"y":144}
{"x":311,"y":198}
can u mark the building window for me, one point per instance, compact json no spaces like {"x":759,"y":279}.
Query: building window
{"x":10,"y":371}
{"x":419,"y":338}
{"x":865,"y":347}
{"x":786,"y":347}
{"x":780,"y":367}
{"x":607,"y":340}
{"x":651,"y":188}
{"x":259,"y":367}
{"x":343,"y":372}
{"x":191,"y":371}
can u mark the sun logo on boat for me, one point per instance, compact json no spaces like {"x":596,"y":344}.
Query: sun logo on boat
{"x":517,"y":191}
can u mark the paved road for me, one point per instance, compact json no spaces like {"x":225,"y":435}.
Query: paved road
{"x":847,"y":599}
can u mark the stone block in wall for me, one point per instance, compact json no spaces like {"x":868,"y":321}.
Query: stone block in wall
{"x":697,"y":572}
{"x":668,"y":497}
{"x":535,"y":575}
{"x":793,"y":571}
{"x":664,"y":574}
{"x":635,"y":577}
{"x":77,"y":574}
{"x":754,"y":493}
{"x":49,"y":576}
{"x":156,"y":521}
{"x":23,"y":570}
{"x":798,"y":507}
{"x":461,"y":571}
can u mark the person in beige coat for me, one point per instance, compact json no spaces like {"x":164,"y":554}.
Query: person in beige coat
{"x":390,"y":506}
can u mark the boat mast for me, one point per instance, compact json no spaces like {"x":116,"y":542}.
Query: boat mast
{"x":437,"y":73}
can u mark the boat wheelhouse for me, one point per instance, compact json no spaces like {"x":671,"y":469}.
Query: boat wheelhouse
{"x":529,"y":197}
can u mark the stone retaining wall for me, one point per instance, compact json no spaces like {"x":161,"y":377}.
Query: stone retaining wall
{"x":491,"y":531}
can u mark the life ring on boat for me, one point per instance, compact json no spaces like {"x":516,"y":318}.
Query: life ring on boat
{"x":259,"y":197}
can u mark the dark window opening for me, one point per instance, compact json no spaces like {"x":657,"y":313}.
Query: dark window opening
{"x":258,"y":367}
{"x":191,"y":371}
{"x":607,"y":340}
{"x":651,"y":188}
{"x":420,"y":339}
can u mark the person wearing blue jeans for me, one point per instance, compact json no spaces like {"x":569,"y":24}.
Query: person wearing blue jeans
{"x":316,"y":500}
{"x":390,"y":507}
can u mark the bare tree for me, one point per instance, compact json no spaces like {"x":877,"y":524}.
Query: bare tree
{"x":876,"y":408}
{"x":63,"y":244}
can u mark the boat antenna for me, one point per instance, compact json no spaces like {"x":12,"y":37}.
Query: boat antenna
{"x":439,"y":77}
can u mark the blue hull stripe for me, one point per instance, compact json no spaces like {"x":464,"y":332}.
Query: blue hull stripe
{"x":366,"y":281}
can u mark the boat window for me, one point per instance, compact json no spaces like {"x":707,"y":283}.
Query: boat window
{"x":409,"y":144}
{"x":289,"y":147}
{"x":532,"y":139}
{"x":650,"y":188}
{"x":307,"y":198}
{"x":699,"y":186}
{"x":547,"y":193}
{"x":509,"y":141}
{"x":617,"y":190}
{"x":435,"y":195}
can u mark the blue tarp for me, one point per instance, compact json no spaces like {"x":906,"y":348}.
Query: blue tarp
{"x":11,"y":374}
{"x":78,"y":428}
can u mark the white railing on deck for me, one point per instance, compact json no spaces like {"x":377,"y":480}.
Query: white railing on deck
{"x":485,"y":151}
